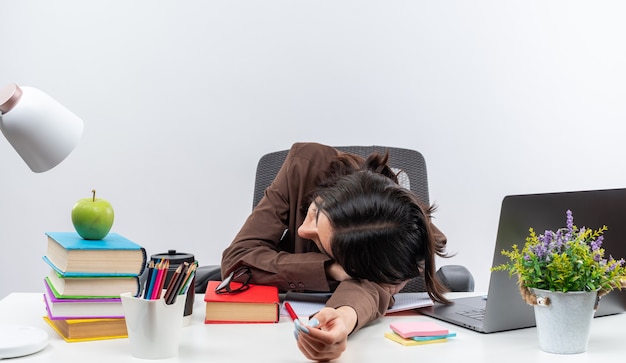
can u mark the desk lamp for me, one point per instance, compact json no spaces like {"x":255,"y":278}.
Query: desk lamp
{"x":43,"y":133}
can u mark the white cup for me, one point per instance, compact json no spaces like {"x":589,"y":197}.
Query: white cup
{"x":153,"y":326}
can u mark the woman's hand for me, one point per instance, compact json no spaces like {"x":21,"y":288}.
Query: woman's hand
{"x":336,"y":272}
{"x":326,"y":335}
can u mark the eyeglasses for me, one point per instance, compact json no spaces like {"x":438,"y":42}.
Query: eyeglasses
{"x":240,"y":277}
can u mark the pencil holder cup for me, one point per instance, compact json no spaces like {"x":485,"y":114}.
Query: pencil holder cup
{"x":176,"y":259}
{"x":153,"y":326}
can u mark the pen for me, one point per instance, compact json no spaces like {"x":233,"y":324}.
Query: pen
{"x":292,"y":313}
{"x":294,"y":317}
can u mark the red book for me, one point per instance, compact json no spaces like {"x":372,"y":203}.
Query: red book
{"x":258,"y":304}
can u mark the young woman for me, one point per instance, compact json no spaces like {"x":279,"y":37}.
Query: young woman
{"x":332,"y":221}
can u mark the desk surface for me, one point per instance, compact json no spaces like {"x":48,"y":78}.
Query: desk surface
{"x":275,"y":343}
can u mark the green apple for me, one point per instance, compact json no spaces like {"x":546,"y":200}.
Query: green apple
{"x":92,"y":217}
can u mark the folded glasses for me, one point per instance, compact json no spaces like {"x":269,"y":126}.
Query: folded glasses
{"x":240,"y":277}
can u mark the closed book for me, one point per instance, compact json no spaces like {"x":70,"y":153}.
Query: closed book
{"x":79,"y":330}
{"x":71,"y":255}
{"x":61,"y":309}
{"x":258,"y":304}
{"x":90,"y":287}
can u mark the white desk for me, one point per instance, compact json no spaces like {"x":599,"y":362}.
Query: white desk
{"x":275,"y":343}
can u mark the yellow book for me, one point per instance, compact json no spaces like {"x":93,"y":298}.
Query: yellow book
{"x":398,"y":339}
{"x":80,"y":330}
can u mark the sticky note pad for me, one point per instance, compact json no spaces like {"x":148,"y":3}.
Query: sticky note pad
{"x":409,"y":329}
{"x":435,"y":337}
{"x":408,"y":342}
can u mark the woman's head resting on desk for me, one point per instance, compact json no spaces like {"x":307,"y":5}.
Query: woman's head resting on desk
{"x":371,"y":226}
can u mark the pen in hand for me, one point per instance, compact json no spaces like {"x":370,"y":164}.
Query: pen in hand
{"x":295,"y":319}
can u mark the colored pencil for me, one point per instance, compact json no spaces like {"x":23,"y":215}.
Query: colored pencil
{"x":151,"y":280}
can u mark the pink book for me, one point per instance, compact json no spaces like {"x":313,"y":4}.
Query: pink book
{"x":62,"y":309}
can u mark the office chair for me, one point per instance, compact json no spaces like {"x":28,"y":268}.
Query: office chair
{"x":411,"y":169}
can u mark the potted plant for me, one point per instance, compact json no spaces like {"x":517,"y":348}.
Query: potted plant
{"x":563,"y":274}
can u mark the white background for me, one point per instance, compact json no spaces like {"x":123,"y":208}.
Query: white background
{"x":181,"y":98}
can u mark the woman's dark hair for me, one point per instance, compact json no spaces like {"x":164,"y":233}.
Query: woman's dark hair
{"x":380,"y":230}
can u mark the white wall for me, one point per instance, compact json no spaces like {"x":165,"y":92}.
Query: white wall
{"x":180,"y":99}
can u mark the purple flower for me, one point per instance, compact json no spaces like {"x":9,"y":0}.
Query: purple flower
{"x":570,"y":221}
{"x":547,"y":237}
{"x":595,"y":245}
{"x":570,"y":226}
{"x":540,"y":251}
{"x":619,"y":262}
{"x":560,"y":239}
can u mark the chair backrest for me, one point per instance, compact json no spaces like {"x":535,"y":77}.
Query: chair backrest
{"x":409,"y":164}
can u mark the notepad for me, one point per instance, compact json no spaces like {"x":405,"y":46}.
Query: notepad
{"x":434,"y":337}
{"x":409,"y":329}
{"x":403,"y":301}
{"x":408,"y":342}
{"x":410,"y":300}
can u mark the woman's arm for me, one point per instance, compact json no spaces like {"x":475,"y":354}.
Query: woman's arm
{"x":289,"y":262}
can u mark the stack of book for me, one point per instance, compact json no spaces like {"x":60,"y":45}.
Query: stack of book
{"x":82,"y":290}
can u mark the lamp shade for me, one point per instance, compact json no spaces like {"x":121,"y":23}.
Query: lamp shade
{"x":41,"y":130}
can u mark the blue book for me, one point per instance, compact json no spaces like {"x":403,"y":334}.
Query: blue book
{"x":72,"y":256}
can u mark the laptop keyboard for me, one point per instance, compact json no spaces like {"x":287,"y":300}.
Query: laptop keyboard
{"x":478,"y":314}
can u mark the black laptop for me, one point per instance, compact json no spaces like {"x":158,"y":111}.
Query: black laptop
{"x":503,"y":308}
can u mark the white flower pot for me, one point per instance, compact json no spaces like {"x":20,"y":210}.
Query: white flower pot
{"x":563,"y":324}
